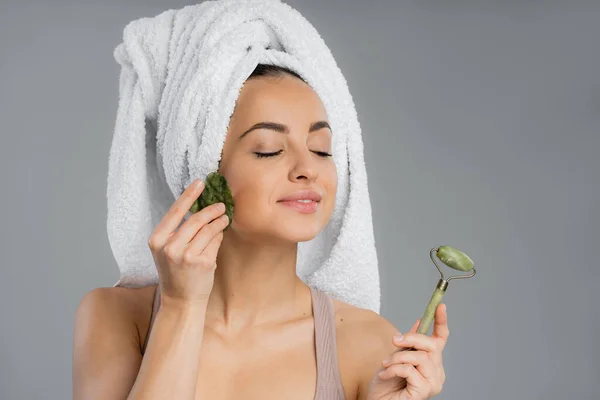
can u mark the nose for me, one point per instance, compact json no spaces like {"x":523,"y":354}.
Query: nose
{"x":304,"y":167}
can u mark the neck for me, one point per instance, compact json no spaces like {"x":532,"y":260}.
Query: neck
{"x":255,"y":284}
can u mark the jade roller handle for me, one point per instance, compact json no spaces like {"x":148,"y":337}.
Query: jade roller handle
{"x":455,"y":259}
{"x":436,"y":299}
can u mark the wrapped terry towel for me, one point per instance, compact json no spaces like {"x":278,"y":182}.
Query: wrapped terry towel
{"x":181,"y":74}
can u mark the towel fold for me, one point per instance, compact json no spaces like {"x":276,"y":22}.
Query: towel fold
{"x":181,"y":74}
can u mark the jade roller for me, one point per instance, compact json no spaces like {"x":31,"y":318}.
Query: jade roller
{"x":455,"y":259}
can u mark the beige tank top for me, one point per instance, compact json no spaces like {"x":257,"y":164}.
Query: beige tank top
{"x":329,"y":382}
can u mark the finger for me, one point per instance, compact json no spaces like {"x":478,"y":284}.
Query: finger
{"x":212,"y":249}
{"x":206,"y":234}
{"x":415,"y":327}
{"x":414,"y":358}
{"x":412,"y":330}
{"x":415,"y":381}
{"x":417,"y":341}
{"x":440,"y":325}
{"x":418,"y":359}
{"x":177,"y":211}
{"x":195,"y":223}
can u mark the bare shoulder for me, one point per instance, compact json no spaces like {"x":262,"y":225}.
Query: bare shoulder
{"x":356,"y":324}
{"x":364,"y":339}
{"x":110,"y":326}
{"x":115,"y":305}
{"x":119,"y":296}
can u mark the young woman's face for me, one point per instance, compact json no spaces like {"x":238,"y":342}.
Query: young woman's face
{"x":294,"y":160}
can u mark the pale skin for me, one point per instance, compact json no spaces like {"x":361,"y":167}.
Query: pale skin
{"x":243,"y":327}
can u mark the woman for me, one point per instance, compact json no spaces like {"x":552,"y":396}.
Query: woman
{"x":231,"y":319}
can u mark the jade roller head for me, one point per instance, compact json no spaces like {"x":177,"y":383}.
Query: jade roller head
{"x":454,"y":259}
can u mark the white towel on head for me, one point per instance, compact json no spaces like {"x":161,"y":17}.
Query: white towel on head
{"x":181,"y":75}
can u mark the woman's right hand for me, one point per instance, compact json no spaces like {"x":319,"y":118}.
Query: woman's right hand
{"x":186,"y":258}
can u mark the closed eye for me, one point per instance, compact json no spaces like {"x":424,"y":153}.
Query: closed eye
{"x":261,"y":155}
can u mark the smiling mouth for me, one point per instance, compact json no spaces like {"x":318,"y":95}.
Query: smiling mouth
{"x":303,"y":206}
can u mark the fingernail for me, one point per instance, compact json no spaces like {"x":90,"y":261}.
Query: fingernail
{"x":385,"y":363}
{"x":198,"y":183}
{"x":398,"y":338}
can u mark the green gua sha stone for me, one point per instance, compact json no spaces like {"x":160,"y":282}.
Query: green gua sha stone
{"x":215,"y":190}
{"x":454,"y":258}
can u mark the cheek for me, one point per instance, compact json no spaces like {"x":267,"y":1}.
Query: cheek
{"x":333,"y":178}
{"x":330,"y":181}
{"x":250,"y":195}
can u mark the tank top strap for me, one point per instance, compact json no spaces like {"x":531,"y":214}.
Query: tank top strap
{"x":155,"y":306}
{"x":329,"y":382}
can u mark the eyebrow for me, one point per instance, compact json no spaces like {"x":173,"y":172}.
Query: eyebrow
{"x":281,"y":128}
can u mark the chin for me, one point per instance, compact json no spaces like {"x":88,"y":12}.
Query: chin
{"x":300,"y":231}
{"x":281,"y":231}
{"x":301,"y":227}
{"x":289,"y":231}
{"x":297,"y":237}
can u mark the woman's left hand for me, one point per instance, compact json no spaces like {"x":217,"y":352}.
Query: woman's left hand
{"x":417,"y":374}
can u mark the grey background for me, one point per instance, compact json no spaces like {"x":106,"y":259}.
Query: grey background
{"x":481,"y":127}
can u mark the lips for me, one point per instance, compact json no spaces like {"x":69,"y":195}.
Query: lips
{"x":304,"y":201}
{"x":308,"y":207}
{"x":302,"y":195}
